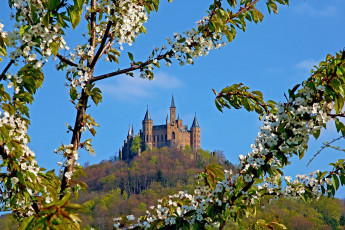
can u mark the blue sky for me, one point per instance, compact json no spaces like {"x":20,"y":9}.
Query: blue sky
{"x":271,"y":57}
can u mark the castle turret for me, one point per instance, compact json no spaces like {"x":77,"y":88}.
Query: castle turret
{"x":120,"y":155}
{"x":172,"y":111}
{"x":147,"y":129}
{"x":195,"y":135}
{"x":130,"y":133}
{"x":179,"y":122}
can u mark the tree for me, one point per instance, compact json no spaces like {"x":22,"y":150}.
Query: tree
{"x":39,"y":199}
{"x":136,"y":144}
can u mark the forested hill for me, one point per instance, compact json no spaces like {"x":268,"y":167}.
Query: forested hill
{"x":117,"y":188}
{"x":120,"y":188}
{"x":165,"y":166}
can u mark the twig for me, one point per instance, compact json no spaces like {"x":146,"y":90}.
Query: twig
{"x":63,"y":59}
{"x":244,"y":9}
{"x":336,"y":115}
{"x":108,"y":75}
{"x":322,"y":148}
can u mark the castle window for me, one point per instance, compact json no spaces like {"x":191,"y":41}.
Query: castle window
{"x":173,"y":135}
{"x":166,"y":137}
{"x":157,"y":138}
{"x":154,"y":138}
{"x":162,"y":138}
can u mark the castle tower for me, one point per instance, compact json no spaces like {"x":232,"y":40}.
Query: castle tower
{"x":120,"y":155}
{"x":195,"y":135}
{"x":172,"y":111}
{"x":147,"y":129}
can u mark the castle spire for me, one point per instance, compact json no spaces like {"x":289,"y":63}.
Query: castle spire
{"x":129,"y":131}
{"x":132,"y":131}
{"x":172,"y":102}
{"x":195,"y":122}
{"x":147,"y":115}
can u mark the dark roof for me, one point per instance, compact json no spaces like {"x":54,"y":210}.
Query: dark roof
{"x":147,"y":115}
{"x":195,"y":123}
{"x":172,"y":102}
{"x":159,"y":127}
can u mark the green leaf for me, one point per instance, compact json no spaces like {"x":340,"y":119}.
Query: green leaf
{"x":79,"y":4}
{"x":46,"y":19}
{"x":335,"y":181}
{"x":54,"y":46}
{"x":33,"y":12}
{"x":96,"y":95}
{"x":339,"y":103}
{"x":26,"y":223}
{"x":258,"y":93}
{"x":130,"y":55}
{"x":21,"y":178}
{"x":322,"y":175}
{"x":142,"y":29}
{"x":92,"y":131}
{"x":218,"y":105}
{"x":75,"y":15}
{"x":342,"y":179}
{"x":246,"y":104}
{"x":61,"y":21}
{"x":317,"y":133}
{"x":53,"y":4}
{"x":301,"y":154}
{"x":73,"y":93}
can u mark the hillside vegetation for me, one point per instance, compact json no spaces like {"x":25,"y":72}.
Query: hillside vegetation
{"x":117,"y":188}
{"x":122,"y":188}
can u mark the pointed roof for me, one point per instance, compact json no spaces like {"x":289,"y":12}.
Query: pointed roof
{"x":132,"y":131}
{"x":147,"y":115}
{"x":172,"y":102}
{"x":129,"y":131}
{"x":195,"y":123}
{"x":167,"y":117}
{"x":178,"y":117}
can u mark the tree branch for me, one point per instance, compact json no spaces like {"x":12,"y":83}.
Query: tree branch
{"x":2,"y":76}
{"x":65,"y":60}
{"x":81,"y":109}
{"x":108,"y":75}
{"x":101,"y":47}
{"x":93,"y":30}
{"x":336,"y":115}
{"x":250,"y":5}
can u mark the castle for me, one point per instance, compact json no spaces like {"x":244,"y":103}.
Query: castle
{"x":173,"y":134}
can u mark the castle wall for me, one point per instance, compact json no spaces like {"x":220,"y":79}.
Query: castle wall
{"x":159,"y":136}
